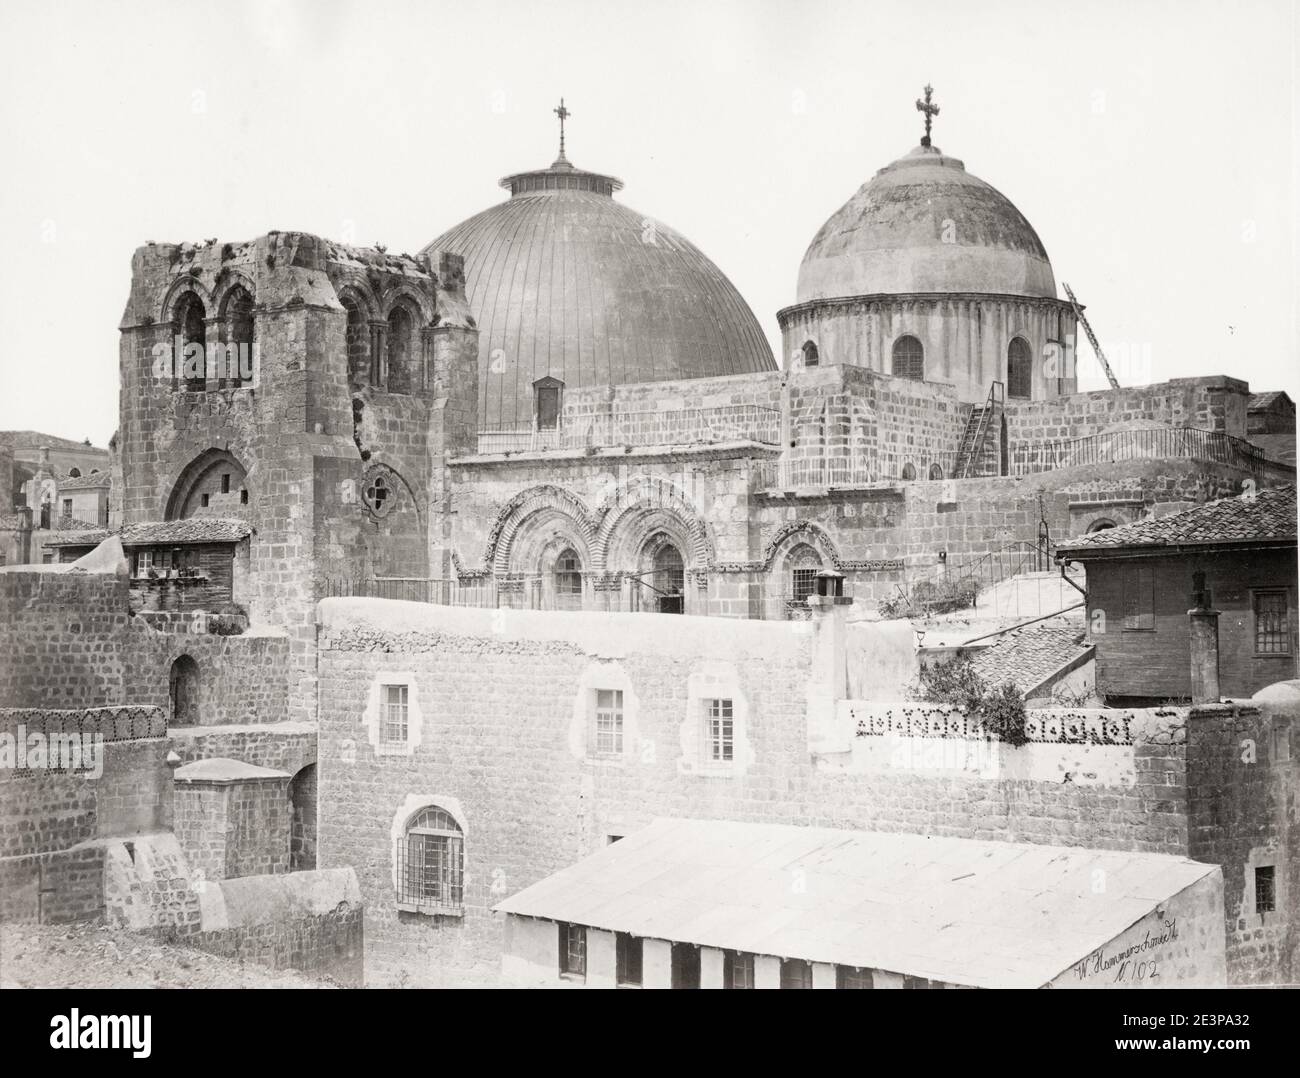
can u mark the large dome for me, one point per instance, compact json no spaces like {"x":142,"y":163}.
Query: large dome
{"x":925,"y":224}
{"x":565,"y":281}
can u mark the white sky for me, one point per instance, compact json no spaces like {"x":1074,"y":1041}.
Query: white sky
{"x":1152,"y":145}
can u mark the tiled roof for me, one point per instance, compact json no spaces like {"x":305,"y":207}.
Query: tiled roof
{"x":1268,"y":514}
{"x":1026,"y":657}
{"x":78,"y":533}
{"x":1261,"y":401}
{"x":959,"y":911}
{"x":189,"y":530}
{"x":87,"y":481}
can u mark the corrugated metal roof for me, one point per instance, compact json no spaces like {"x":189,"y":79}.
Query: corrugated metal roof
{"x":991,"y":914}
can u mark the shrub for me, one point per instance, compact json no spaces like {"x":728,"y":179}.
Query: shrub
{"x":957,"y":683}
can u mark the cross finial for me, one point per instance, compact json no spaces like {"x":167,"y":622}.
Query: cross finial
{"x":563,"y":114}
{"x":930,"y":109}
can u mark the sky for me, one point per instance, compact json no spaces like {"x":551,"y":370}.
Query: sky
{"x":1152,"y":145}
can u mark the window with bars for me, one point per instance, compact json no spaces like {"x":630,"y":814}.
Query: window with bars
{"x":627,"y":957}
{"x":568,"y":581}
{"x":853,"y":977}
{"x":803,"y":583}
{"x":908,"y":359}
{"x":795,"y":973}
{"x":608,"y":722}
{"x":1139,"y":597}
{"x":737,"y":969}
{"x":393,"y":724}
{"x":719,"y":732}
{"x":1265,"y":889}
{"x":573,"y":950}
{"x":1272,"y":623}
{"x":431,"y":864}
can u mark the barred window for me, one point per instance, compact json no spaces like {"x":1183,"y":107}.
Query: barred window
{"x":609,"y":722}
{"x":1272,"y":623}
{"x":627,"y":953}
{"x":795,"y":973}
{"x":853,"y":977}
{"x":1265,"y":889}
{"x":811,"y":357}
{"x":719,"y":732}
{"x":393,"y":725}
{"x":803,"y":583}
{"x":431,"y":864}
{"x":1139,"y":597}
{"x":737,"y":969}
{"x":573,"y":950}
{"x":908,"y":359}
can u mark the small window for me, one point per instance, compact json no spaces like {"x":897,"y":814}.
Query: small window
{"x":1139,"y":597}
{"x":393,"y":724}
{"x":243,"y":496}
{"x":936,"y":472}
{"x":810,"y":355}
{"x":909,"y":472}
{"x":203,"y":500}
{"x":627,"y":956}
{"x":803,"y":583}
{"x":853,"y":977}
{"x":1020,"y":369}
{"x":548,"y":408}
{"x":1281,"y":741}
{"x":67,"y":508}
{"x":686,"y":965}
{"x":431,"y":864}
{"x":719,"y":732}
{"x":1272,"y":623}
{"x":1265,"y":890}
{"x":796,"y":973}
{"x":568,"y":581}
{"x":74,"y":473}
{"x":609,"y":722}
{"x":908,"y":359}
{"x":573,"y":951}
{"x":737,"y":969}
{"x":225,"y":482}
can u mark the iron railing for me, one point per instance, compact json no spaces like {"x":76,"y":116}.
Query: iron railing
{"x":1156,"y":443}
{"x":821,"y":472}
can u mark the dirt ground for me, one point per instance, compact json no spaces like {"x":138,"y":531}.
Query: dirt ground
{"x":96,"y":956}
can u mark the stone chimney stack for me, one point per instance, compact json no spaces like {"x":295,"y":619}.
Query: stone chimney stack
{"x":1205,"y":644}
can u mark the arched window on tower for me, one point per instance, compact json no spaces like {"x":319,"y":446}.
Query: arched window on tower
{"x":401,"y":338}
{"x":908,"y":359}
{"x":356,"y":337}
{"x":811,"y":358}
{"x":568,"y":581}
{"x":237,"y":335}
{"x":191,"y":327}
{"x":1020,"y":369}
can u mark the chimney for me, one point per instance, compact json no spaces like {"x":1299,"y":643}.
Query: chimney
{"x":1204,"y":625}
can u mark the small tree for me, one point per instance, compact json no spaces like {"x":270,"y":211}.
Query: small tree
{"x":957,"y":683}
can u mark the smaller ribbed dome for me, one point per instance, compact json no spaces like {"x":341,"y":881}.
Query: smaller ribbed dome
{"x":925,"y":224}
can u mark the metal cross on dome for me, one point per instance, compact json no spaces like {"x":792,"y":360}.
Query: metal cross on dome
{"x":563,"y":114}
{"x":930,"y":109}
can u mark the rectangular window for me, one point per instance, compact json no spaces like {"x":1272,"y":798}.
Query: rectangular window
{"x":243,"y":496}
{"x":686,"y":966}
{"x":431,"y":875}
{"x":853,"y":977}
{"x":1265,"y":890}
{"x":1272,"y":623}
{"x":225,"y":482}
{"x":795,"y":973}
{"x":609,"y":722}
{"x":573,"y":950}
{"x":1281,"y":741}
{"x":737,"y":970}
{"x":392,"y":723}
{"x":548,"y":408}
{"x":67,"y":508}
{"x":203,"y":500}
{"x":627,"y":954}
{"x":1139,"y":597}
{"x":803,"y":584}
{"x":719,"y":732}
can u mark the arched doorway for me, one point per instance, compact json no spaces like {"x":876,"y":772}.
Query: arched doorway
{"x":302,"y":834}
{"x":668,"y":576}
{"x":183,"y":692}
